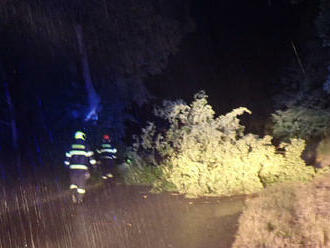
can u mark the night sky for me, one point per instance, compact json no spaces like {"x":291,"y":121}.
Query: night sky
{"x":236,"y":53}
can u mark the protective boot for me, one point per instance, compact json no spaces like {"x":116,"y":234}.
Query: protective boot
{"x":80,"y":198}
{"x":74,"y":195}
{"x":80,"y":195}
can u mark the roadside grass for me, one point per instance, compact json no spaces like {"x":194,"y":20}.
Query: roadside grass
{"x":293,"y":214}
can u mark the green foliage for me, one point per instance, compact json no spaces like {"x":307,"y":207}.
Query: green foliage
{"x":145,"y":175}
{"x":201,"y":154}
{"x":141,"y":171}
{"x":300,"y":122}
{"x":323,"y":22}
{"x":289,"y":165}
{"x":322,"y":153}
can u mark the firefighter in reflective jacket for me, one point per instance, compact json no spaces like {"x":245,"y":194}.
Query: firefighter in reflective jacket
{"x":107,"y":154}
{"x":78,"y":159}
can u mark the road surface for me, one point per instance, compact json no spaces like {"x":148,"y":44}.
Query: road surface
{"x":114,"y":215}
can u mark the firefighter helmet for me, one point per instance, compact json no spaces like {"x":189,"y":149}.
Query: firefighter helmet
{"x":80,"y":135}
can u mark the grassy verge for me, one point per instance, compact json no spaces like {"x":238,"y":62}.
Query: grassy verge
{"x":287,"y":215}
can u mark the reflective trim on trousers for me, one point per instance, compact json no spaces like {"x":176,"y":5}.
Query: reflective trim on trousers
{"x":79,"y":167}
{"x":73,"y":186}
{"x":81,"y":191}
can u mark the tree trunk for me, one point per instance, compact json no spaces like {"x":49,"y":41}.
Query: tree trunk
{"x":14,"y":133}
{"x":43,"y":120}
{"x":93,"y":97}
{"x":12,"y":120}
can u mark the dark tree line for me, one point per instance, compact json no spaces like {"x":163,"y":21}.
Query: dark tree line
{"x":68,"y":64}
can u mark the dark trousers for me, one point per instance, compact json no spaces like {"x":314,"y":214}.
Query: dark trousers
{"x":107,"y":166}
{"x":78,"y":180}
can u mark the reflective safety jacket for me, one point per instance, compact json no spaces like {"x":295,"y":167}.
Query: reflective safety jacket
{"x":79,"y":156}
{"x":106,"y":151}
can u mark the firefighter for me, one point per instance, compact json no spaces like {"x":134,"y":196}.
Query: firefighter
{"x":78,"y":159}
{"x":107,"y":154}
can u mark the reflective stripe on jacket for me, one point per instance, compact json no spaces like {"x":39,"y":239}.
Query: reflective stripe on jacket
{"x":106,"y":151}
{"x":79,"y":157}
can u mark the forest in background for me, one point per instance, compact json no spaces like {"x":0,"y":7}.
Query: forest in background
{"x":102,"y":67}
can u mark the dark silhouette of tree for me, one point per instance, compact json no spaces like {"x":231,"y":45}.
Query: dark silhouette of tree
{"x":323,"y":22}
{"x":133,"y":38}
{"x":84,"y":60}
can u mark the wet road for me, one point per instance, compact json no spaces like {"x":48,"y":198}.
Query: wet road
{"x":114,"y":215}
